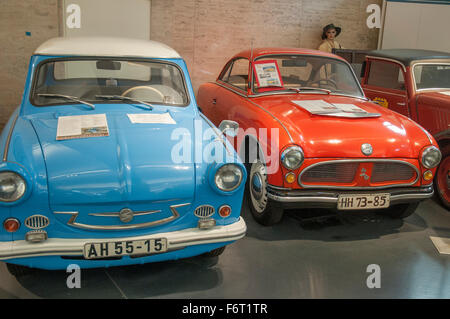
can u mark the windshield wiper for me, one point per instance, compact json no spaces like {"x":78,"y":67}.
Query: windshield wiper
{"x":124,"y":98}
{"x":67,"y":97}
{"x":307,"y":88}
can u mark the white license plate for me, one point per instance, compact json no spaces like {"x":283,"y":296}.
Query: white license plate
{"x":363,"y":201}
{"x":122,"y":248}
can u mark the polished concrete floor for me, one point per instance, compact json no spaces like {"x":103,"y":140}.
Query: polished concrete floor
{"x":297,"y":258}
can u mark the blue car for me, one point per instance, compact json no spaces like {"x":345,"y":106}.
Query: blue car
{"x":109,"y":162}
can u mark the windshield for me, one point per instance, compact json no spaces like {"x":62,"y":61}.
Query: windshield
{"x":89,"y":80}
{"x":284,"y":72}
{"x":432,"y":76}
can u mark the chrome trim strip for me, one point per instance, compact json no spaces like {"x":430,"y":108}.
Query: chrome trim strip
{"x":327,"y":199}
{"x":247,"y":98}
{"x":229,"y":88}
{"x":74,"y":247}
{"x":430,"y":139}
{"x":360,"y":161}
{"x":117,"y":214}
{"x":8,"y":139}
{"x":275,"y":118}
{"x":72,"y":221}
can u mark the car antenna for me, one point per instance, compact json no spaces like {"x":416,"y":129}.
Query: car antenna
{"x":250,"y":84}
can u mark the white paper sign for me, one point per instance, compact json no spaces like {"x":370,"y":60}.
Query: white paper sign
{"x":149,"y":118}
{"x":81,"y":126}
{"x":350,"y":108}
{"x":321,"y":107}
{"x":267,"y":74}
{"x":317,"y":106}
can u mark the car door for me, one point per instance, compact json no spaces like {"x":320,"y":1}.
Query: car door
{"x":385,"y":85}
{"x":233,"y":86}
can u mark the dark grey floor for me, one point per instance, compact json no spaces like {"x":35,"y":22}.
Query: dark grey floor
{"x":294,"y":259}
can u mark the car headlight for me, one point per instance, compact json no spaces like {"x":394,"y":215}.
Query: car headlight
{"x":12,"y":186}
{"x":228,"y":177}
{"x":292,"y":157}
{"x":431,"y":157}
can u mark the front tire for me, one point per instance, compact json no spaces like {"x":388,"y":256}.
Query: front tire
{"x":261,"y":206}
{"x":442,"y":178}
{"x":402,"y":210}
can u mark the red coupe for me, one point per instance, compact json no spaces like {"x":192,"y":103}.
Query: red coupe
{"x":310,"y":137}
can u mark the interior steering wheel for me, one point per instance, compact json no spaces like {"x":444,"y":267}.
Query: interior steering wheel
{"x":144,"y":88}
{"x":332,"y":82}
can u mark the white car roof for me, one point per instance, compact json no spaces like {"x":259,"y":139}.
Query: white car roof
{"x":106,"y":46}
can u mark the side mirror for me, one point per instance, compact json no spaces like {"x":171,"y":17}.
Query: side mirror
{"x":229,"y":128}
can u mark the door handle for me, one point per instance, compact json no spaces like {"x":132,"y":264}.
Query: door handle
{"x":401,"y":103}
{"x":214,"y":101}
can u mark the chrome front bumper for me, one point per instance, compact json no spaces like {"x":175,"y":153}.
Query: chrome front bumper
{"x":289,"y":198}
{"x":74,"y":247}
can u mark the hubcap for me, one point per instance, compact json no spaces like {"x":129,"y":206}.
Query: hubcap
{"x":258,"y":193}
{"x":257,"y":186}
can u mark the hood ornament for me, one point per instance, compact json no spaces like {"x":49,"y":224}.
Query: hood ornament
{"x":126,"y":215}
{"x":366,"y":149}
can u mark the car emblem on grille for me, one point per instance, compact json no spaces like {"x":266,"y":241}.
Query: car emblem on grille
{"x":363,"y":174}
{"x":366,"y":149}
{"x":126,"y":215}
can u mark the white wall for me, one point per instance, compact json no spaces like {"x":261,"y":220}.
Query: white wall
{"x":416,"y":26}
{"x":119,"y":18}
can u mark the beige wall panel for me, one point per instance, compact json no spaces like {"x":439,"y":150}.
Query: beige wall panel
{"x":208,"y":32}
{"x":205,"y":32}
{"x":40,"y":17}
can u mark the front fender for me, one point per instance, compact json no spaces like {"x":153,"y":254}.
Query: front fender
{"x":23,"y":155}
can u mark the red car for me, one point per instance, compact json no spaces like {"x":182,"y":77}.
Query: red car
{"x":415,"y":83}
{"x":310,"y":137}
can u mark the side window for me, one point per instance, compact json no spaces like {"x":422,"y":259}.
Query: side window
{"x":386,"y":75}
{"x":238,"y":75}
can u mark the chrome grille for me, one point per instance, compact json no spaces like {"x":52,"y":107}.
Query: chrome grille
{"x":204,"y":211}
{"x":389,"y":172}
{"x":339,"y":173}
{"x":37,"y":222}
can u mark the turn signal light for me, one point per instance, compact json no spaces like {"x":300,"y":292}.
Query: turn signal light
{"x":224,"y":211}
{"x":290,"y":177}
{"x":428,"y":176}
{"x":11,"y":225}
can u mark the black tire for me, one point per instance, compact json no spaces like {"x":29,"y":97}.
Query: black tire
{"x":18,"y":270}
{"x":215,"y":253}
{"x":402,"y":210}
{"x":261,"y":207}
{"x":441,"y":187}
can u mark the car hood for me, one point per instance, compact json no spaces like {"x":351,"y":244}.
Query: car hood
{"x":391,"y":134}
{"x":131,"y":165}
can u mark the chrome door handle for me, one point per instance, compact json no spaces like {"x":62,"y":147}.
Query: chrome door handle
{"x":214,"y":101}
{"x":401,"y":104}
